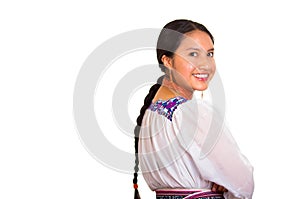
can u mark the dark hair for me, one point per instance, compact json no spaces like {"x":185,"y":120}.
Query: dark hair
{"x":168,"y":41}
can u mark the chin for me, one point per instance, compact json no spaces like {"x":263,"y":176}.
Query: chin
{"x":201,"y":87}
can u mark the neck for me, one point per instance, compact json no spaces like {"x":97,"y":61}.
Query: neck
{"x":176,"y":89}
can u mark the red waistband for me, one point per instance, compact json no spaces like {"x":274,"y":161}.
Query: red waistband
{"x":187,"y":193}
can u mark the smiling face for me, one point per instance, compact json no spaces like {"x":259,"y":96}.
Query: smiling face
{"x":192,"y":65}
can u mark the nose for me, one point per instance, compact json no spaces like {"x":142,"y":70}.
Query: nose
{"x":203,"y":66}
{"x":203,"y":63}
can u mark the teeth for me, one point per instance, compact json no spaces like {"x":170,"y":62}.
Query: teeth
{"x":201,"y":75}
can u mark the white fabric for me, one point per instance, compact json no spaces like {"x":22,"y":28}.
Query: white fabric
{"x":192,"y":151}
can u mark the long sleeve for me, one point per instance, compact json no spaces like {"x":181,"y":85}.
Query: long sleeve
{"x":216,"y":154}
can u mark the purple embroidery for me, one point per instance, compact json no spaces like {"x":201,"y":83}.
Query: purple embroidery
{"x":167,"y":107}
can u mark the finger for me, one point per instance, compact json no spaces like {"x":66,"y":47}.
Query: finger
{"x":214,"y":187}
{"x":222,"y":189}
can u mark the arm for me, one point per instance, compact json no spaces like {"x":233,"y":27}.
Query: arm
{"x":229,"y":167}
{"x":215,"y":151}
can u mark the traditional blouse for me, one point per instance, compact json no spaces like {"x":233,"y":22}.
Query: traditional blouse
{"x":185,"y":144}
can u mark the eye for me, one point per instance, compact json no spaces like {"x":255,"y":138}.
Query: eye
{"x":210,"y":54}
{"x":193,"y":54}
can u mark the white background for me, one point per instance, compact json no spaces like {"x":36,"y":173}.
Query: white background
{"x":44,"y":44}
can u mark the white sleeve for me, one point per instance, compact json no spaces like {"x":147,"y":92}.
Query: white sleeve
{"x":215,"y":151}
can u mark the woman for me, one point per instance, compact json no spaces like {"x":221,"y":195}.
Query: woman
{"x":183,"y":147}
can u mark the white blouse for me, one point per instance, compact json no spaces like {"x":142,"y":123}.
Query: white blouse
{"x":184,"y":144}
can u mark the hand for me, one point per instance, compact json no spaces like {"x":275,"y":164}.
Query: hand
{"x":219,"y":188}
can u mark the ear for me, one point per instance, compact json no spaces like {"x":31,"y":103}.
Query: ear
{"x":167,"y":61}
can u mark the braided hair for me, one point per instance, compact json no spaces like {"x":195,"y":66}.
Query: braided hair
{"x":167,"y":44}
{"x":147,"y":102}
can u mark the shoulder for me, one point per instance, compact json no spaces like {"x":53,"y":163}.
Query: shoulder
{"x":167,"y":107}
{"x":180,"y":110}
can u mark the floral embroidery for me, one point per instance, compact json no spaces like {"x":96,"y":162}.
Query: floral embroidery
{"x":167,"y":107}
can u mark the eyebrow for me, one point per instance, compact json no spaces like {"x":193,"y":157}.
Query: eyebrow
{"x":198,"y":49}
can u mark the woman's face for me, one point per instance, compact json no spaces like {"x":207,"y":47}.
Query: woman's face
{"x":193,"y":65}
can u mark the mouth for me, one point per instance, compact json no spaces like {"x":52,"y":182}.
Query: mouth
{"x":201,"y":76}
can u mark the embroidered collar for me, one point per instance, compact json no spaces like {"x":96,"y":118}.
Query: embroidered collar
{"x":167,"y":107}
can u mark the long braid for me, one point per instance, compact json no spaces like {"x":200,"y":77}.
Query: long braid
{"x":147,"y":102}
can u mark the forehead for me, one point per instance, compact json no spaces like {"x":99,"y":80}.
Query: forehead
{"x":196,"y":39}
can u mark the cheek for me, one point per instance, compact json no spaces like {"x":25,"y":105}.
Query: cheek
{"x":183,"y":67}
{"x":214,"y":69}
{"x":187,"y":70}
